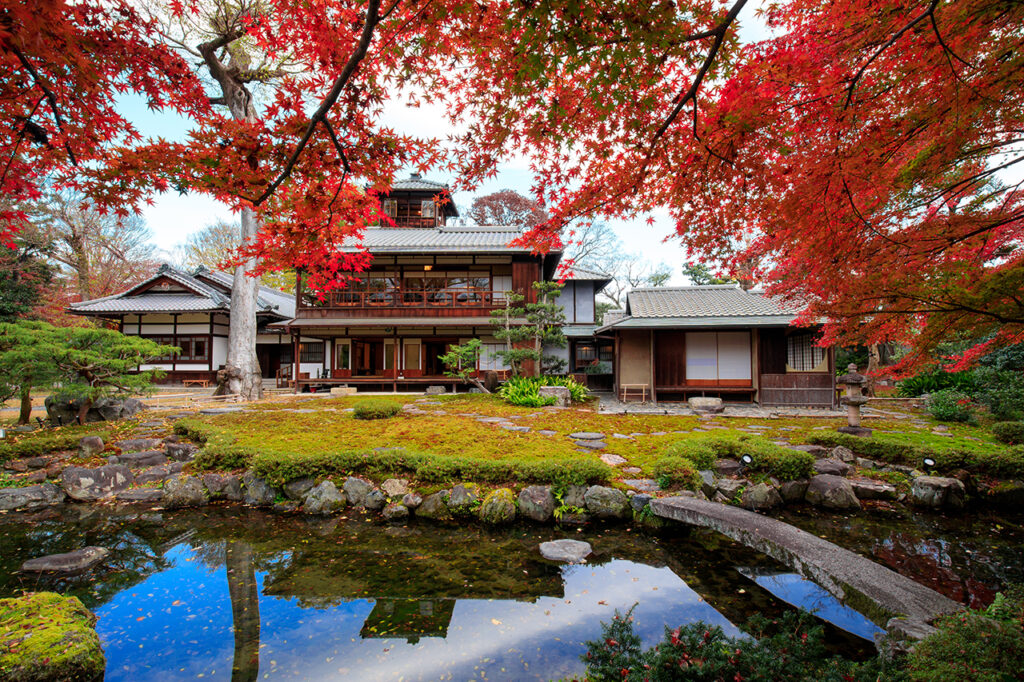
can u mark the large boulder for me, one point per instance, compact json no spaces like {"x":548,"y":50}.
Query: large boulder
{"x":434,"y":507}
{"x":75,"y":561}
{"x":89,"y":485}
{"x":607,"y":503}
{"x":537,"y":503}
{"x":152,"y":475}
{"x":183,"y":490}
{"x":146,"y":458}
{"x":89,"y":446}
{"x":731,"y":487}
{"x":181,"y":452}
{"x":793,"y":491}
{"x":834,"y":467}
{"x":706,"y":405}
{"x":937,"y":492}
{"x":395,"y":487}
{"x":324,"y":498}
{"x":297,"y":489}
{"x":462,"y":497}
{"x":760,"y":496}
{"x":843,"y":454}
{"x":105,"y":409}
{"x":728,"y":467}
{"x":30,"y":497}
{"x":226,"y":486}
{"x":873,"y":490}
{"x":573,"y":496}
{"x":560,"y":393}
{"x":499,"y":507}
{"x":375,"y":500}
{"x":708,"y":482}
{"x":46,"y":636}
{"x":396,"y":511}
{"x":831,"y":492}
{"x":256,"y":492}
{"x":356,"y":490}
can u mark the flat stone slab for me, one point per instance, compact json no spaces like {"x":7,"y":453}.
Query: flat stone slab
{"x":547,"y":432}
{"x":70,"y":562}
{"x":612,"y":460}
{"x":146,"y":458}
{"x":900,"y":605}
{"x":513,"y":427}
{"x":592,"y":444}
{"x":138,"y":444}
{"x":569,"y":551}
{"x":586,"y":435}
{"x":221,"y":410}
{"x":644,"y":485}
{"x":138,"y":495}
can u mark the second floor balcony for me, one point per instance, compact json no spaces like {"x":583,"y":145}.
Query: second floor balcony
{"x":407,"y":296}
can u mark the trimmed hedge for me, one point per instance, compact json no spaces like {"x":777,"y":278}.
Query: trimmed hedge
{"x":35,"y":444}
{"x":1008,"y":463}
{"x":221,"y":452}
{"x":784,"y":463}
{"x":375,"y":408}
{"x":1011,"y":433}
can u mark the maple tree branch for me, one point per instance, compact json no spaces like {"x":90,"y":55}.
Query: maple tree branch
{"x":50,"y":97}
{"x":885,"y":46}
{"x":372,"y":19}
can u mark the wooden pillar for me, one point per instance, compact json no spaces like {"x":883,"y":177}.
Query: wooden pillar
{"x":654,"y":392}
{"x":295,"y":360}
{"x":174,"y":342}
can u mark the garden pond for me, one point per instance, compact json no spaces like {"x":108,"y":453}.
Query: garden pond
{"x":230,"y":593}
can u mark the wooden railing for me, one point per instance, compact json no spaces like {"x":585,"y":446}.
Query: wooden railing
{"x":406,"y":298}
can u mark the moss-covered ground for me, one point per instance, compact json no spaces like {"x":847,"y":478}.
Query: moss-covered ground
{"x":45,"y":636}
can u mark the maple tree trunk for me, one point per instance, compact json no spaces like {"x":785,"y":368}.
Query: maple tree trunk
{"x":243,"y":366}
{"x":245,"y":611}
{"x":83,"y":410}
{"x":81,"y":266}
{"x":874,"y":362}
{"x":26,"y":405}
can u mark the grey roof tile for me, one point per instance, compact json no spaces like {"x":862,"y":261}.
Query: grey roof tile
{"x":417,"y":182}
{"x":720,"y":300}
{"x":440,"y":239}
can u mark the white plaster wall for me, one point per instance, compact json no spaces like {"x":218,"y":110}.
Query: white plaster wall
{"x":220,"y":351}
{"x":584,"y":303}
{"x":566,"y":299}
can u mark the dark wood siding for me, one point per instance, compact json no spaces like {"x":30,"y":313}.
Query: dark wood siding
{"x":524,"y":274}
{"x":797,"y":388}
{"x":772,"y":358}
{"x":669,"y":359}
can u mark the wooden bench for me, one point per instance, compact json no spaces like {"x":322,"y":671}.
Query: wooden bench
{"x":628,"y":390}
{"x":203,"y":383}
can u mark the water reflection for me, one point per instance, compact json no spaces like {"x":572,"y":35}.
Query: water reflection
{"x":243,"y":595}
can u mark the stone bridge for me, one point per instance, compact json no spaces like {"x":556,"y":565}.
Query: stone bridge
{"x":903,"y":607}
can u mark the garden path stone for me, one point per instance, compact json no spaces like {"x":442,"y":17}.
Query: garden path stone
{"x":591,"y":444}
{"x":70,"y":562}
{"x":88,"y":485}
{"x":514,"y":427}
{"x":631,"y":470}
{"x":647,"y":485}
{"x":142,"y":459}
{"x":567,"y":551}
{"x":621,"y":436}
{"x":181,"y":452}
{"x":547,"y":432}
{"x":221,"y":410}
{"x":138,"y":444}
{"x":154,"y":474}
{"x":834,"y":467}
{"x":586,"y":435}
{"x":89,"y":446}
{"x":613,"y":460}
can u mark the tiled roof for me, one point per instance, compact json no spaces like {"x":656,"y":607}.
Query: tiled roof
{"x":416,"y":182}
{"x":612,"y":316}
{"x":206,"y":298}
{"x":577,"y":272}
{"x":720,"y":300}
{"x":440,"y":240}
{"x":719,"y":305}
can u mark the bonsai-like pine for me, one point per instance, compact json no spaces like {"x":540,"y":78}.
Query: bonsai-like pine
{"x":460,"y":363}
{"x":79,"y":363}
{"x":508,"y":326}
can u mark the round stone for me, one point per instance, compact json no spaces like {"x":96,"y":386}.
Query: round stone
{"x":568,"y":551}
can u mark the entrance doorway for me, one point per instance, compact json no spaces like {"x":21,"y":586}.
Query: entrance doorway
{"x":433,"y":349}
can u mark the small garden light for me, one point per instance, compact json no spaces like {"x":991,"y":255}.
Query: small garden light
{"x":929,"y":463}
{"x":3,"y":434}
{"x":747,"y":460}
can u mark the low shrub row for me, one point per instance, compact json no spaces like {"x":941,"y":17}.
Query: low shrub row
{"x":525,"y":391}
{"x":1011,"y":433}
{"x":220,"y":452}
{"x":40,"y":443}
{"x":375,"y":408}
{"x":671,"y":471}
{"x":783,"y":463}
{"x":1005,"y":463}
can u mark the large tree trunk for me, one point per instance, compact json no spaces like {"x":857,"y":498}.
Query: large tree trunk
{"x":874,"y":363}
{"x":243,"y":365}
{"x":83,"y":410}
{"x":26,"y":404}
{"x":81,"y":256}
{"x":245,"y":611}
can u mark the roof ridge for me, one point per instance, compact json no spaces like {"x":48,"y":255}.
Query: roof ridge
{"x":692,"y":287}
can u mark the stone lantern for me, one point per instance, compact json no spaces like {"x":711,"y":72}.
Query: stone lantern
{"x":853,"y":401}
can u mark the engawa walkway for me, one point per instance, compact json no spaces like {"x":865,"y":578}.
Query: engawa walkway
{"x":900,"y":605}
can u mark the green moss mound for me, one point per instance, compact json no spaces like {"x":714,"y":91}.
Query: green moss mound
{"x":1011,"y":433}
{"x":775,"y":460}
{"x":48,"y":637}
{"x":375,"y":409}
{"x":675,"y":472}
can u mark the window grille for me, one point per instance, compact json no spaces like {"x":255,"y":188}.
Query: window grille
{"x":802,"y":355}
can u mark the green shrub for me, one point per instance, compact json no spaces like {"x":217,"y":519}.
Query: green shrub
{"x":699,"y":452}
{"x":950,"y":405}
{"x":672,"y":471}
{"x":1011,"y":433}
{"x":1001,"y":392}
{"x":969,"y":646}
{"x":784,"y":463}
{"x":375,"y":408}
{"x":789,"y":649}
{"x":39,"y":443}
{"x":577,"y":391}
{"x":524,"y":391}
{"x":935,"y":381}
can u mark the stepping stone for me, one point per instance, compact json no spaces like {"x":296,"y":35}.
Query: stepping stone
{"x":492,"y":420}
{"x":138,"y":444}
{"x":612,"y":460}
{"x":586,"y":435}
{"x":631,"y":470}
{"x":659,"y":433}
{"x":621,"y":435}
{"x":70,"y":562}
{"x":513,"y":427}
{"x":547,"y":432}
{"x":221,"y":410}
{"x":568,"y":551}
{"x":592,"y":444}
{"x":142,"y":459}
{"x":644,"y":485}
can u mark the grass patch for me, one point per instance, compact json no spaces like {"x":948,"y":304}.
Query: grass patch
{"x":44,"y":441}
